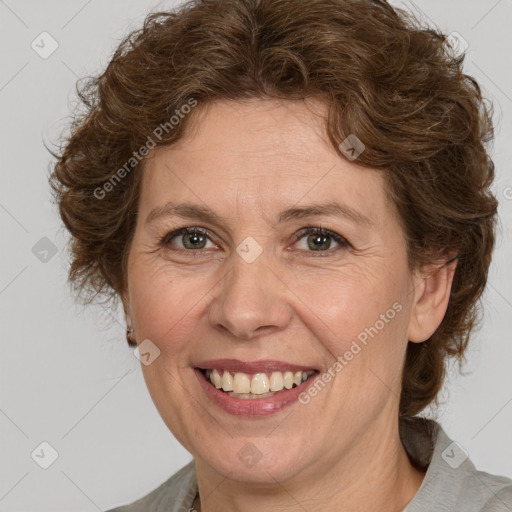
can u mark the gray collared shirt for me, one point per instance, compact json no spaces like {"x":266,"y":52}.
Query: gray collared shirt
{"x":451,"y":483}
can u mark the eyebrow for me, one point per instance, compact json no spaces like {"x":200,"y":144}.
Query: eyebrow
{"x":205,"y":214}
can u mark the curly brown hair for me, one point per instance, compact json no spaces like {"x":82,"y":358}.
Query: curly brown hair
{"x":395,"y":83}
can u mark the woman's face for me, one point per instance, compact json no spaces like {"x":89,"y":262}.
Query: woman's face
{"x":253,"y":292}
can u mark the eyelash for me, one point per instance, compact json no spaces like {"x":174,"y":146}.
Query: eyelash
{"x":310,"y":230}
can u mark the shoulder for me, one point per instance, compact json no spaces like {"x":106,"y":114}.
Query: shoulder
{"x":451,"y":483}
{"x":495,"y":492}
{"x":175,"y":494}
{"x":467,"y":487}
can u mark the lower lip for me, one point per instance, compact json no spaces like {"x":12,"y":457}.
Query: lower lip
{"x":252,"y":407}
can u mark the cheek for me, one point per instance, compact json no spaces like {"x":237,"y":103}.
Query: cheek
{"x":336,"y":304}
{"x":352,"y":304}
{"x":164,"y":304}
{"x":360,"y":319}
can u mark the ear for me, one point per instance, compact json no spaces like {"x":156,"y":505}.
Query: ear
{"x":432,"y":289}
{"x":126,"y":306}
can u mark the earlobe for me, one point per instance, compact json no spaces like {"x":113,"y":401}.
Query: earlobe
{"x":432,"y":294}
{"x":130,"y":333}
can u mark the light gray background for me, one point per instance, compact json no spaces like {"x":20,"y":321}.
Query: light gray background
{"x":67,"y":375}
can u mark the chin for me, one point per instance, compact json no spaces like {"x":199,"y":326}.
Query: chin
{"x":255,"y":460}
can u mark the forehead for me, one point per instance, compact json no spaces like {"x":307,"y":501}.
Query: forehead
{"x":260,"y":154}
{"x":262,"y":133}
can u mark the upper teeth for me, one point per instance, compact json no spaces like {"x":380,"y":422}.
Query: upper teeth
{"x":258,"y":384}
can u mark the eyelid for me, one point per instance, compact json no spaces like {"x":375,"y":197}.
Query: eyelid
{"x":311,"y":230}
{"x":188,"y":229}
{"x":306,"y":230}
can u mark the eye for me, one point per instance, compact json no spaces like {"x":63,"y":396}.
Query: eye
{"x":192,"y":238}
{"x":319,"y":239}
{"x":316,"y":239}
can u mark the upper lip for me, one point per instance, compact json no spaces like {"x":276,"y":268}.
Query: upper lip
{"x":250,"y":367}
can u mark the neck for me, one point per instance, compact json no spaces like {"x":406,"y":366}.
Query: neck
{"x":372,"y":475}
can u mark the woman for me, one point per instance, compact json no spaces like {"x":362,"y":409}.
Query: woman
{"x":292,"y":200}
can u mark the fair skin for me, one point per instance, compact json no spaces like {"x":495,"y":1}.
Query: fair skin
{"x":248,"y":161}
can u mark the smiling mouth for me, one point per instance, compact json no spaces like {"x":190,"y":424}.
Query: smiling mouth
{"x":257,"y":385}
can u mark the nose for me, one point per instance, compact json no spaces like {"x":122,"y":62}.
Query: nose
{"x":252,"y":301}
